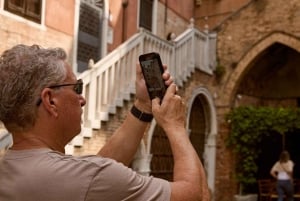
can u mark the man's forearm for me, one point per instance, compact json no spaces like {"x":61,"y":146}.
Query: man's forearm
{"x":188,"y":170}
{"x":124,"y":143}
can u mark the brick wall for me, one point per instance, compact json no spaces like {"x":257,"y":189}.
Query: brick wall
{"x":100,"y":137}
{"x":13,"y":31}
{"x":169,"y":21}
{"x":212,"y":13}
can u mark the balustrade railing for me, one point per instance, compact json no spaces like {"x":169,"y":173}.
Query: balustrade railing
{"x":111,"y":80}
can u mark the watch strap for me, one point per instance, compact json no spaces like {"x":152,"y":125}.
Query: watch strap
{"x":145,"y":117}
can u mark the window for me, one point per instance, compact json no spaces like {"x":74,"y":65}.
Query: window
{"x":29,"y":9}
{"x":89,"y":33}
{"x":146,"y":7}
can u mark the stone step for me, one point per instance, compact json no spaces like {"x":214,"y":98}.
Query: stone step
{"x":5,"y":139}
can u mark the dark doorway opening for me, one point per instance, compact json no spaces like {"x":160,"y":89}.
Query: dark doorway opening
{"x":271,"y":146}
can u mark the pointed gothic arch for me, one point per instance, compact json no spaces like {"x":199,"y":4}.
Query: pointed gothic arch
{"x":201,"y":108}
{"x":231,"y":86}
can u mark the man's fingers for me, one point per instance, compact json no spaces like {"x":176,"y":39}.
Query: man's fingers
{"x":155,"y":104}
{"x":171,"y":91}
{"x":139,"y":73}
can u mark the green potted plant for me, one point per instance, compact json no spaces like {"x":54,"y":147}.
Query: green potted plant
{"x":219,"y":71}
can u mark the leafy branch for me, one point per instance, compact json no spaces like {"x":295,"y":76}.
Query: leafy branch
{"x":248,"y":126}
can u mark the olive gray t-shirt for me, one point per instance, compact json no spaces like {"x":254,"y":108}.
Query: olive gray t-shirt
{"x":46,"y":175}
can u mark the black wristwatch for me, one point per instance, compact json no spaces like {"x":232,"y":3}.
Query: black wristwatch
{"x":145,"y":117}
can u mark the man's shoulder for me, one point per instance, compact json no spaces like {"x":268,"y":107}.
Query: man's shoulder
{"x":56,"y":163}
{"x":88,"y":161}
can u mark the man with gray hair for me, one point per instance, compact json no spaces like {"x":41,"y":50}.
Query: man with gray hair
{"x":41,"y":106}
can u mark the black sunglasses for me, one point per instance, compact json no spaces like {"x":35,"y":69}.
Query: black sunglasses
{"x":78,"y":87}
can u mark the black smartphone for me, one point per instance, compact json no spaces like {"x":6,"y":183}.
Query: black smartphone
{"x":152,"y":69}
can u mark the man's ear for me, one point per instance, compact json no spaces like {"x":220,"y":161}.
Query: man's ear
{"x":48,"y":101}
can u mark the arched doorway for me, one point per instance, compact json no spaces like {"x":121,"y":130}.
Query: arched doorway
{"x":268,"y":75}
{"x":198,"y":124}
{"x":162,"y":158}
{"x":202,"y":127}
{"x":270,"y":150}
{"x":272,"y":80}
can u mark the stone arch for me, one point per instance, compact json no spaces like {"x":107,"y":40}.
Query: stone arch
{"x":209,"y":154}
{"x":235,"y":78}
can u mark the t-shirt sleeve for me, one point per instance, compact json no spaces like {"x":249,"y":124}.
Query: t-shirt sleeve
{"x":116,"y":182}
{"x":275,"y":167}
{"x":290,"y":166}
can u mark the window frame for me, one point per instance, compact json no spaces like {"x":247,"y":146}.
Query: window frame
{"x":24,"y":11}
{"x":144,"y":22}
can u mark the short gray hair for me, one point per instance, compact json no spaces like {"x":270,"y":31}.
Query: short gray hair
{"x":24,"y":72}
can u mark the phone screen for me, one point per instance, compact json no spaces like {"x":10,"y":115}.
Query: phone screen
{"x":152,"y":70}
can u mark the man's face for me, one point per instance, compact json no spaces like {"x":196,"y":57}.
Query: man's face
{"x":70,"y":105}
